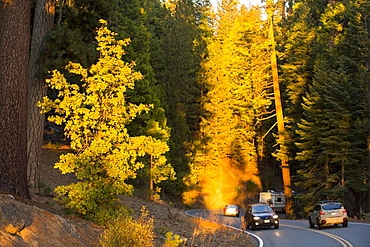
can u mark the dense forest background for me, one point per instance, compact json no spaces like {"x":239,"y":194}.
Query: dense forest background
{"x":212,"y":77}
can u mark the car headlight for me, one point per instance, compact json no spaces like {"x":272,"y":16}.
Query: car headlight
{"x":275,"y":216}
{"x":256,"y":218}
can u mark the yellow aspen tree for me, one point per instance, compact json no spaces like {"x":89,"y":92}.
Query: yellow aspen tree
{"x":95,"y":115}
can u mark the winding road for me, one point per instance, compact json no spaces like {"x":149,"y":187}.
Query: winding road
{"x":293,"y":233}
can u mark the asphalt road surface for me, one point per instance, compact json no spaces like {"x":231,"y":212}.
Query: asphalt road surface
{"x":293,"y":233}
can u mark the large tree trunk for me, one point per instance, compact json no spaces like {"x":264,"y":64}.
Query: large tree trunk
{"x":280,"y":122}
{"x":43,"y":24}
{"x":14,"y":46}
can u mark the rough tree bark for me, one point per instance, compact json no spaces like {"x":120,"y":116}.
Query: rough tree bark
{"x":42,"y":25}
{"x":280,"y":122}
{"x":14,"y":46}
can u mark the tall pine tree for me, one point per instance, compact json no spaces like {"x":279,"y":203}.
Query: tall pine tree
{"x":183,"y":46}
{"x":133,"y":19}
{"x":334,"y":128}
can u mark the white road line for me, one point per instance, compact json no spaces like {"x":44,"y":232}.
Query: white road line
{"x":342,"y":241}
{"x":260,"y":241}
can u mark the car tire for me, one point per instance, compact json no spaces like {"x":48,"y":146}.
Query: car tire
{"x":345,"y":223}
{"x":318,"y":226}
{"x":276,"y":226}
{"x":311,"y":224}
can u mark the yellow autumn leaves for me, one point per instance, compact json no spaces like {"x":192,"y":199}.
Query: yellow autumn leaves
{"x":95,"y":113}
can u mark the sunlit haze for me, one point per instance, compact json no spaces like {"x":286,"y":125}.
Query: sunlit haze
{"x":222,"y":182}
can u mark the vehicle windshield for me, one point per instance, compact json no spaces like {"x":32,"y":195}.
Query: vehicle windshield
{"x":262,"y":209}
{"x":332,"y":206}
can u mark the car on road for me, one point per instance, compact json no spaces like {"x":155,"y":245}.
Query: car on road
{"x":232,"y":210}
{"x":327,"y":213}
{"x":260,"y":215}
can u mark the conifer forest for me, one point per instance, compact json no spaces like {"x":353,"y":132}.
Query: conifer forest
{"x":209,"y":104}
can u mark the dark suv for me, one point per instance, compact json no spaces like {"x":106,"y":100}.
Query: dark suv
{"x":328,"y":213}
{"x":260,"y":215}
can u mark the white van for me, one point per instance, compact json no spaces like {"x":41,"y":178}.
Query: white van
{"x":276,"y":200}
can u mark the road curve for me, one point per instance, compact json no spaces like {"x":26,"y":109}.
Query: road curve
{"x":215,"y":215}
{"x":294,"y":233}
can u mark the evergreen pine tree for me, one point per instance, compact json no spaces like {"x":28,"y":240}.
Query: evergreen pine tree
{"x":183,"y":46}
{"x":334,"y":130}
{"x":300,"y":52}
{"x":133,"y":19}
{"x":73,"y":37}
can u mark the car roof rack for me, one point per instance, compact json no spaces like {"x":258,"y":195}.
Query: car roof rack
{"x":329,"y":201}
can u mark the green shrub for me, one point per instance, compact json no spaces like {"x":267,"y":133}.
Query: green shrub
{"x":172,"y":240}
{"x":51,"y":204}
{"x":47,"y":190}
{"x":124,"y":231}
{"x":42,"y":186}
{"x":365,"y":216}
{"x":161,"y":230}
{"x":106,"y":213}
